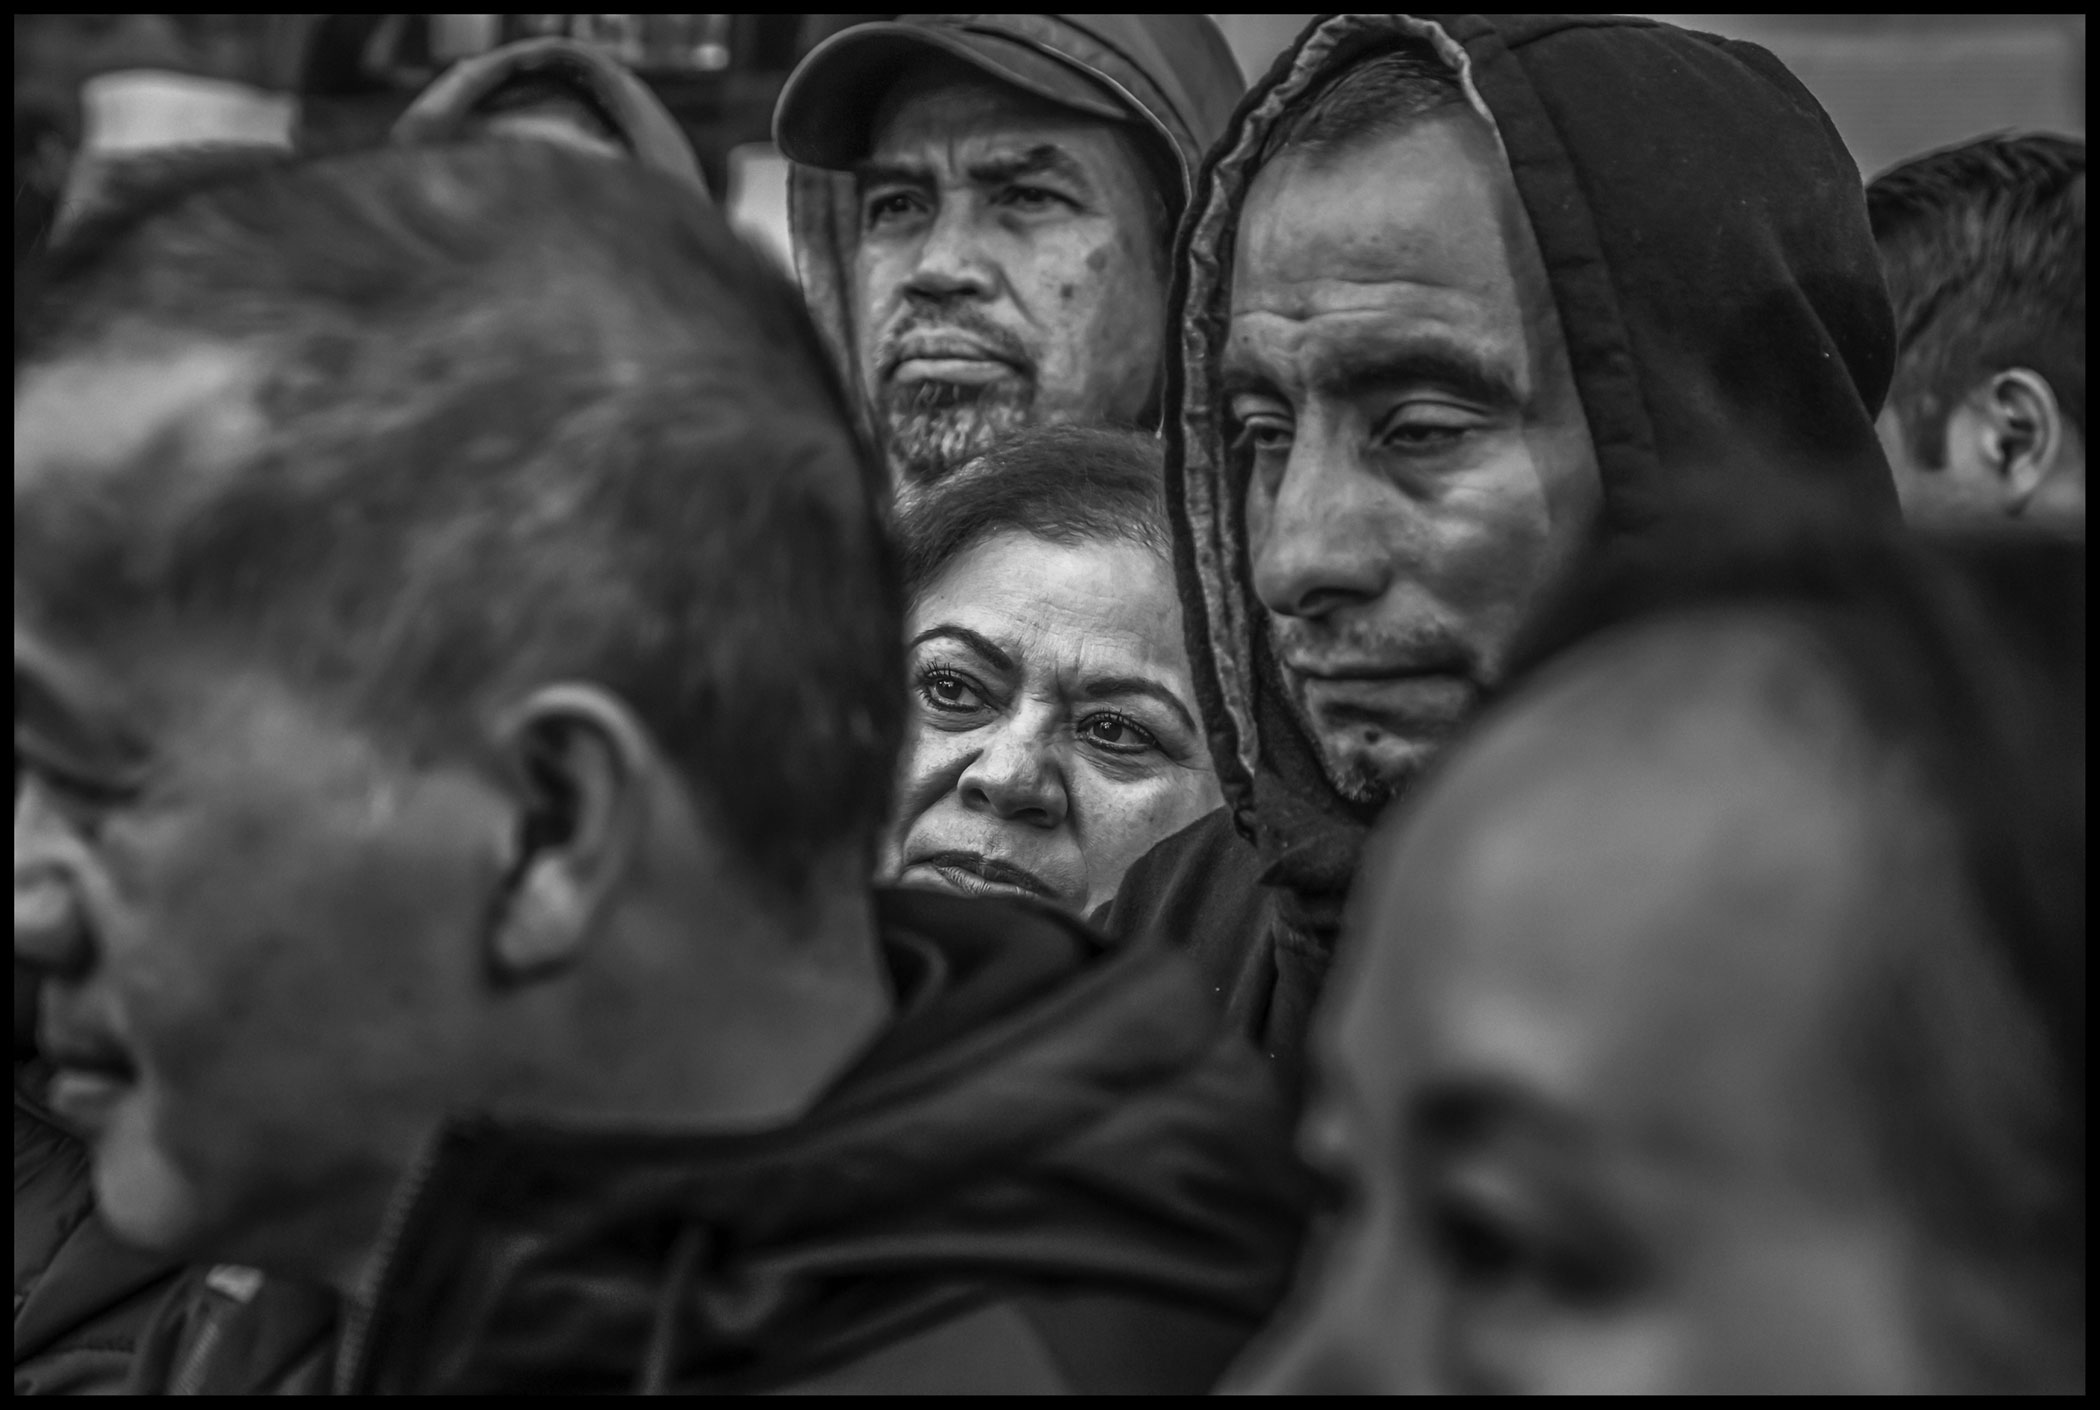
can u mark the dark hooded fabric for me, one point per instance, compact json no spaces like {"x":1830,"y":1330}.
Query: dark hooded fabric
{"x":1058,"y":1171}
{"x":1704,"y":232}
{"x":1180,"y":94}
{"x":81,"y":1298}
{"x":441,"y":112}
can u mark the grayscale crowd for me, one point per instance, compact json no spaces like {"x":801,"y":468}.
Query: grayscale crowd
{"x":1416,"y":727}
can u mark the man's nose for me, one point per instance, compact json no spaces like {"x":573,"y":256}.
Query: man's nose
{"x":953,"y":262}
{"x":1017,"y":778}
{"x":1323,"y":542}
{"x":49,"y":932}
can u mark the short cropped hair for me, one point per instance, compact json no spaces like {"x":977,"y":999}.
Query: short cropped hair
{"x":1962,"y":654}
{"x":1983,"y":249}
{"x":1379,"y":97}
{"x":526,"y":415}
{"x":1067,"y":484}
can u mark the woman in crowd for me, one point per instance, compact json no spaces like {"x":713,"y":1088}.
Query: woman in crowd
{"x":1057,"y":736}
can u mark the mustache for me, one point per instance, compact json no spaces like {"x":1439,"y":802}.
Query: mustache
{"x":950,"y":326}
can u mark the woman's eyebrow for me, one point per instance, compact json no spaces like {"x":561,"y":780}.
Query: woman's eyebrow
{"x":1102,"y":687}
{"x":999,"y":660}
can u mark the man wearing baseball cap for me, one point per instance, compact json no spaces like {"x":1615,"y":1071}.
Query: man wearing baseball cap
{"x":981,"y":210}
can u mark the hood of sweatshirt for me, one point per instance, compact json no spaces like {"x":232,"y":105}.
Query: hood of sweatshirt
{"x":1173,"y":72}
{"x":644,"y":125}
{"x":1705,"y":236}
{"x":1046,"y":1117}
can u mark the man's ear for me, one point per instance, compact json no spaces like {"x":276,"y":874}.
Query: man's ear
{"x":2023,"y":433}
{"x":579,"y":765}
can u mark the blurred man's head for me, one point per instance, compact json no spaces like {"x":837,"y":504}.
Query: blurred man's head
{"x":1418,"y":456}
{"x":552,"y":89}
{"x":1714,"y":1018}
{"x":542,"y":109}
{"x":447,"y":589}
{"x":1983,"y":246}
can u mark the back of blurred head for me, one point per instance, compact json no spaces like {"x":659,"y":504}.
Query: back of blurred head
{"x":1983,"y":246}
{"x":1715,"y":1017}
{"x":456,"y":670}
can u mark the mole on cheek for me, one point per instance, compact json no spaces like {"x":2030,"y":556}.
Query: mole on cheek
{"x":1097,"y":260}
{"x":1065,"y":291}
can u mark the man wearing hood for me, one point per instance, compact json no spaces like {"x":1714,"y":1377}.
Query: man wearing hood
{"x":1458,"y":296}
{"x":553,"y":90}
{"x":981,"y":211}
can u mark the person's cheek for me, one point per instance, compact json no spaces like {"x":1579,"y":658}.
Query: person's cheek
{"x":1124,"y":310}
{"x":877,"y":298}
{"x":1119,"y":819}
{"x":932,"y":762}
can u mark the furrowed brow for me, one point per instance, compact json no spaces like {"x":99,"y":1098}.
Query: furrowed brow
{"x":976,"y":641}
{"x":52,"y":727}
{"x":869,"y":174}
{"x":1450,"y":367}
{"x":1043,"y":159}
{"x":1111,"y":686}
{"x":1237,"y":376}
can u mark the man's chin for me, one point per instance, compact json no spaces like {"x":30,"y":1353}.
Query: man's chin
{"x":140,"y":1195}
{"x":937,"y":430}
{"x":1373,"y":771}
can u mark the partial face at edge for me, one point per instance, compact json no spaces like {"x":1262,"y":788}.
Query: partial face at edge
{"x":259,"y":934}
{"x":1579,"y":1078}
{"x":1056,"y":738}
{"x":1009,"y":270}
{"x":2008,"y":452}
{"x":1397,"y":384}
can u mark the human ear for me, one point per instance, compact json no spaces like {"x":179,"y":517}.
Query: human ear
{"x":576,"y":759}
{"x":2022,"y":431}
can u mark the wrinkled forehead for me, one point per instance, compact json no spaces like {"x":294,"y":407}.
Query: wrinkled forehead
{"x":940,"y":105}
{"x":1431,"y":206}
{"x":1072,"y":604}
{"x":1639,"y":888}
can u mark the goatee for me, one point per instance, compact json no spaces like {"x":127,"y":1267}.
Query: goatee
{"x":932,"y":429}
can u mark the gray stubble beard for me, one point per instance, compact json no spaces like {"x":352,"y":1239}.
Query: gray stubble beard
{"x":932,"y":429}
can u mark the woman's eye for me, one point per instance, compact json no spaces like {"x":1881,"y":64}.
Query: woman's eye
{"x":949,"y":693}
{"x":1118,"y":733}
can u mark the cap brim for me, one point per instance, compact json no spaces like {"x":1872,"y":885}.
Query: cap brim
{"x":826,"y":113}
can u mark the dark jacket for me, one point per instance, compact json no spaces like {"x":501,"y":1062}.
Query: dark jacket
{"x":442,"y":111}
{"x":1057,"y":1171}
{"x":81,"y":1298}
{"x":1706,"y":238}
{"x":1182,"y":86}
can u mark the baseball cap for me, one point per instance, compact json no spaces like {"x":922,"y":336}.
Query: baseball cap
{"x":826,"y":115}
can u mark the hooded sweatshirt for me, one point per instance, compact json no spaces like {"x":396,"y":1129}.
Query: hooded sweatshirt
{"x":1179,"y":101}
{"x":1057,"y":1170}
{"x":443,"y":111}
{"x":1704,"y":233}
